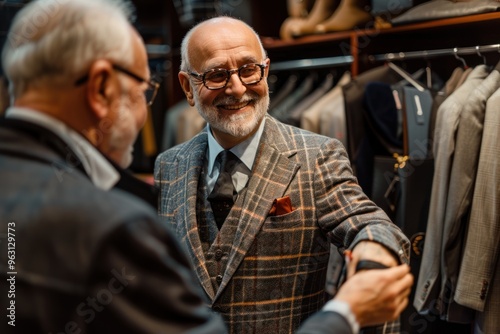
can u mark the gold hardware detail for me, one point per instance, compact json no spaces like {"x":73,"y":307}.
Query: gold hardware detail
{"x":401,"y":161}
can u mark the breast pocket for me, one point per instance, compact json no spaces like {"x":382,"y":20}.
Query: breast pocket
{"x":283,"y":222}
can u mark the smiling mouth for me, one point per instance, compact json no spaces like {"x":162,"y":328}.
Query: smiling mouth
{"x":234,"y":106}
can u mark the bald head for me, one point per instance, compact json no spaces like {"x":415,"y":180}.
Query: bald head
{"x":219,"y":29}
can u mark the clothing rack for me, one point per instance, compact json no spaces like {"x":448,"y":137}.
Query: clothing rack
{"x":307,"y":64}
{"x":313,"y":63}
{"x":461,"y":51}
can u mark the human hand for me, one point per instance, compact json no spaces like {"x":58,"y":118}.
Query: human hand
{"x":368,"y":250}
{"x":378,"y":295}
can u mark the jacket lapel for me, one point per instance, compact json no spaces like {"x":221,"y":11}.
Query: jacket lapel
{"x":271,"y":175}
{"x":191,"y":164}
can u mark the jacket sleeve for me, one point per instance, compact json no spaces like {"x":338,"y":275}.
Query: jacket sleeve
{"x":345,"y":213}
{"x":143,"y":283}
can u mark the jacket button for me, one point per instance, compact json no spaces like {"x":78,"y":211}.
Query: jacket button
{"x":218,"y":279}
{"x":218,"y":255}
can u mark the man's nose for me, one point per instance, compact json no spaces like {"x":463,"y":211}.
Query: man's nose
{"x":234,"y":86}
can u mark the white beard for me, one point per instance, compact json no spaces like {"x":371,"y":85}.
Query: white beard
{"x":123,"y":135}
{"x":239,"y":125}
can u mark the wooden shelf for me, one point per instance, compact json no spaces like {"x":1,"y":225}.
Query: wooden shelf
{"x":478,"y":18}
{"x":274,"y":43}
{"x":451,"y":32}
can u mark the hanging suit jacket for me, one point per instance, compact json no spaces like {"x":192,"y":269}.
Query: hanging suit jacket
{"x":270,"y":274}
{"x":332,"y":101}
{"x":433,"y":286}
{"x":452,"y":83}
{"x":478,"y":285}
{"x":462,"y":181}
{"x":354,"y":92}
{"x":331,"y":113}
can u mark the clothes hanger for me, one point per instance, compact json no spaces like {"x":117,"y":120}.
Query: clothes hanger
{"x":407,"y":76}
{"x":481,"y":55}
{"x":428,"y":72}
{"x":464,"y":64}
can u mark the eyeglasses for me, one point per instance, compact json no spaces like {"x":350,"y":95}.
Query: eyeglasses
{"x":150,"y":93}
{"x":217,"y":78}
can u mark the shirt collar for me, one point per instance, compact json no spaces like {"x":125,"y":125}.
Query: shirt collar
{"x":102,"y":174}
{"x":246,"y":151}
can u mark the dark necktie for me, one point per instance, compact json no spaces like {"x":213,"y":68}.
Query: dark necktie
{"x":222,"y":196}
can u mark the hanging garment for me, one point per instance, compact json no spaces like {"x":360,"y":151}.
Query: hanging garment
{"x":354,"y":106}
{"x":428,"y":291}
{"x":305,"y":86}
{"x":169,"y":138}
{"x":462,"y":180}
{"x":382,"y":136}
{"x":310,"y":119}
{"x":283,"y":92}
{"x":441,"y":95}
{"x":189,"y":124}
{"x":332,"y":120}
{"x":478,"y":285}
{"x":294,"y":114}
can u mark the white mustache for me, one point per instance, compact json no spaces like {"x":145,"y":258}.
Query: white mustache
{"x":231,"y":100}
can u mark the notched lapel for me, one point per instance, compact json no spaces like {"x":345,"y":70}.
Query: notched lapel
{"x":190,"y":165}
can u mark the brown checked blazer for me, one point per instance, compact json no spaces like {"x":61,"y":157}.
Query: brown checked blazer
{"x":269,"y":274}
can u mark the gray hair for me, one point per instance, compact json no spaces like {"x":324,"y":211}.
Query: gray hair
{"x":186,"y":65}
{"x":57,"y":40}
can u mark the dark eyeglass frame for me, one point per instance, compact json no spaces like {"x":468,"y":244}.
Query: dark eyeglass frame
{"x":152,"y":85}
{"x":230,"y":72}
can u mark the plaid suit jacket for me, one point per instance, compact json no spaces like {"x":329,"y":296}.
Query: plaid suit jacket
{"x":478,"y":285}
{"x":276,"y":269}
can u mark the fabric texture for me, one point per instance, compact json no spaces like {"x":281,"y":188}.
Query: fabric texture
{"x":85,"y":257}
{"x":478,"y":285}
{"x":273,"y":271}
{"x":428,"y":297}
{"x":462,"y":182}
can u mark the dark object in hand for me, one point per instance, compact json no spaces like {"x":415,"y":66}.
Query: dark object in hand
{"x":367,"y":264}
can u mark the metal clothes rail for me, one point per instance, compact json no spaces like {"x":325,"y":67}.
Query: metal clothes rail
{"x":312,"y":63}
{"x":461,"y":51}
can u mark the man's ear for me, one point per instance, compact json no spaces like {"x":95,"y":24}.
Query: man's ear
{"x":186,"y":87}
{"x":266,"y":70}
{"x":100,"y":90}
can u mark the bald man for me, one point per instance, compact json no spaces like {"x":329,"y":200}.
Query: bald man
{"x":261,"y":256}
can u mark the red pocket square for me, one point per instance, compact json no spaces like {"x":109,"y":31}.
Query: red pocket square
{"x":281,"y":206}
